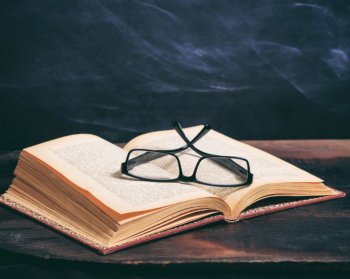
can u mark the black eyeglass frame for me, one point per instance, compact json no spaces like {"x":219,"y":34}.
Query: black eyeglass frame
{"x":189,"y":144}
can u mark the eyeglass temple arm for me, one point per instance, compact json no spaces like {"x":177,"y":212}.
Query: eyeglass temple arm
{"x":189,"y":143}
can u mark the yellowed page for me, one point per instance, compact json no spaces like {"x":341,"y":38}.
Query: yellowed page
{"x":93,"y":164}
{"x":265,"y":167}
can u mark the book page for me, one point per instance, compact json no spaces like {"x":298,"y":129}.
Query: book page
{"x":265,"y":167}
{"x":93,"y":164}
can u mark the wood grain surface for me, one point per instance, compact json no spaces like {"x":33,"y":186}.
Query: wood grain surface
{"x":312,"y":235}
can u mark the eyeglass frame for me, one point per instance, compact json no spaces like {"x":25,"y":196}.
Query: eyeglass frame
{"x":189,"y":144}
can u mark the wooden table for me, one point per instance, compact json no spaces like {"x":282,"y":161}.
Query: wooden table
{"x":314,"y":239}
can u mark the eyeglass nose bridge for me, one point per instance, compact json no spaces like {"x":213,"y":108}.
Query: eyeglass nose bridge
{"x":187,"y":178}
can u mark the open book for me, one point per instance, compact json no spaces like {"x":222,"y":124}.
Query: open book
{"x":74,"y":184}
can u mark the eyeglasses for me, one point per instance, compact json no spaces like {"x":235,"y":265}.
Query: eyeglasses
{"x":210,"y":169}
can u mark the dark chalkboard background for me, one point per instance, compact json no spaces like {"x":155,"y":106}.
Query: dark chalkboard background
{"x":252,"y":69}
